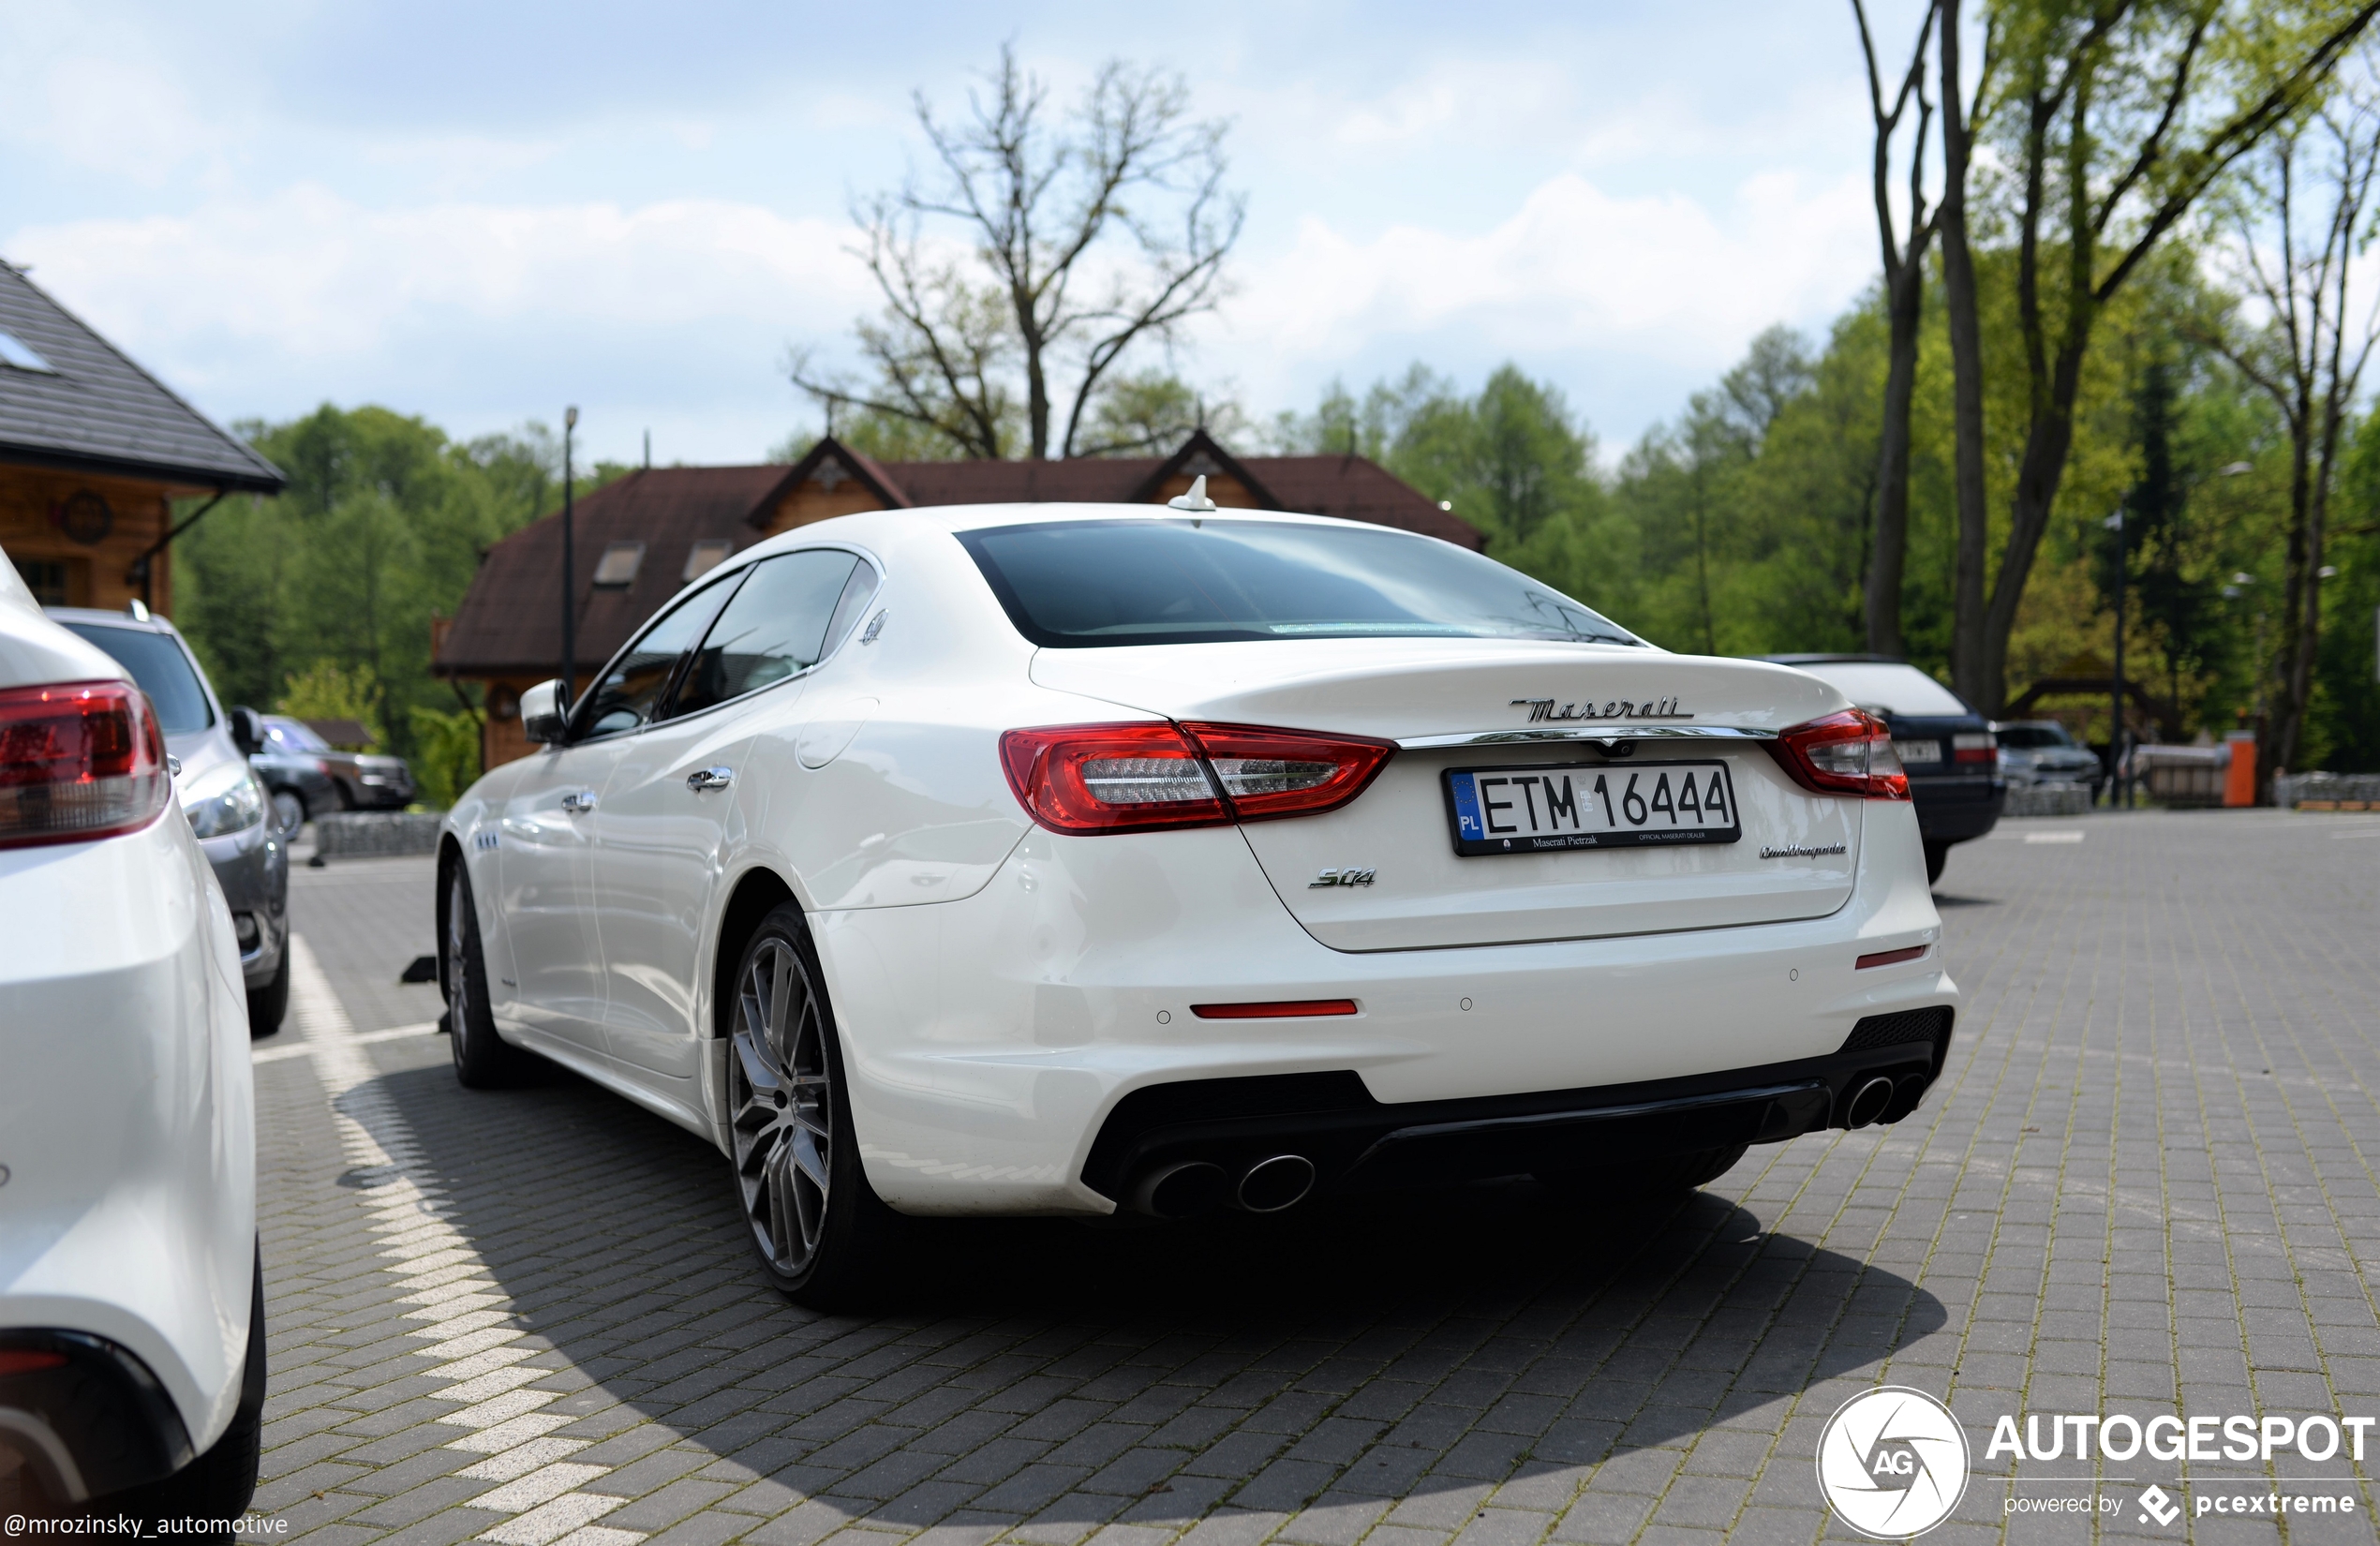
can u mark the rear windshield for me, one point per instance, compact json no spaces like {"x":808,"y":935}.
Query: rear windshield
{"x":2032,"y":738}
{"x":1894,"y":688}
{"x":1161,"y":580}
{"x":161,"y":669}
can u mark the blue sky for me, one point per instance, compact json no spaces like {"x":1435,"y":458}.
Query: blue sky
{"x":479,"y":212}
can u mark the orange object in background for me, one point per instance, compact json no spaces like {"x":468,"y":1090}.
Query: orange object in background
{"x":2239,"y":780}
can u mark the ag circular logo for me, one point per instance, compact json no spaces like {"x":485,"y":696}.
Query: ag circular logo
{"x":1892,"y":1462}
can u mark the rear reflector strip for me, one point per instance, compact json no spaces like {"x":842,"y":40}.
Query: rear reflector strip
{"x":15,"y":1361}
{"x":1282,"y":1010}
{"x":1889,"y":957}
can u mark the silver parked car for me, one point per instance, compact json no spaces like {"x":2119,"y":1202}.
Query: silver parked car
{"x":220,"y":794}
{"x":2039,"y":751}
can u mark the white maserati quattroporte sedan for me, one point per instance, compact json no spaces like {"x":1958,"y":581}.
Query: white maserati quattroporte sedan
{"x":1076,"y":859}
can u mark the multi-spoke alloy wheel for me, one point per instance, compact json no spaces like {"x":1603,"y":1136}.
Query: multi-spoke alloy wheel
{"x":781,"y":1087}
{"x":483,"y":1060}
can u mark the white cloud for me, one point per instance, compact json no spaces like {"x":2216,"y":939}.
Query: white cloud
{"x":1573,"y":268}
{"x":478,"y":313}
{"x":123,"y":116}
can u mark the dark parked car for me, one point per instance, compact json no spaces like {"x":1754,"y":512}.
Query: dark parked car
{"x":294,"y":775}
{"x":1949,"y":750}
{"x":361,"y":780}
{"x":2036,"y":752}
{"x":219,"y":793}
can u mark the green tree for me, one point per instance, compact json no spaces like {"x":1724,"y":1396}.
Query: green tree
{"x":381,"y":526}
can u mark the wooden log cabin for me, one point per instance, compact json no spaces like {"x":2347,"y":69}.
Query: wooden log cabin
{"x":639,"y":540}
{"x":94,"y":454}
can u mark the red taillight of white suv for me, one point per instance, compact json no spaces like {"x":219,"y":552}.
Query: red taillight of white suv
{"x":1144,"y":776}
{"x":78,"y":761}
{"x":1846,"y":753}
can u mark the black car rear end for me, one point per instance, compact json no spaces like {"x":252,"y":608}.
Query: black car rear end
{"x":1949,"y":750}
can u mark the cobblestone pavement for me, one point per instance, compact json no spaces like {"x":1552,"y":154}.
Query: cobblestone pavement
{"x":2145,"y":1184}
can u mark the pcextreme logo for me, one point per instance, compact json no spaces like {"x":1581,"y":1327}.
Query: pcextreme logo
{"x":1892,"y":1462}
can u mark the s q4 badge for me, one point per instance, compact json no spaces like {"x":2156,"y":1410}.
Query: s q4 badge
{"x":1349,"y":876}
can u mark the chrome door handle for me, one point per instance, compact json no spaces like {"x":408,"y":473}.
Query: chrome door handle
{"x":709,"y":778}
{"x":579,"y":803}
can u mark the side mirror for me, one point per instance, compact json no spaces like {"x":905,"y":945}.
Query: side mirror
{"x":247,"y":731}
{"x":543,"y":714}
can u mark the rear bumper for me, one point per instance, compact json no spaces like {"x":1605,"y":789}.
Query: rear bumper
{"x":127,"y":1106}
{"x":988,"y":1042}
{"x":1356,"y":1143}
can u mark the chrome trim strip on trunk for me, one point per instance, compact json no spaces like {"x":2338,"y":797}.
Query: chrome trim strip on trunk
{"x":1607,"y":733}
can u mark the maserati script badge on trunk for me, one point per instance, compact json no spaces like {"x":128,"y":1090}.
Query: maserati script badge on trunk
{"x":1543,"y":709}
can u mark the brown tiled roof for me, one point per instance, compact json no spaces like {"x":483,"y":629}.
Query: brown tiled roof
{"x":508,"y":621}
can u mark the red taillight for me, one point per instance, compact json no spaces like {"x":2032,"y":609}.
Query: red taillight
{"x":1977,"y":746}
{"x":1139,"y":778}
{"x":1288,"y":772}
{"x":78,"y":761}
{"x":1846,"y":753}
{"x":1891,"y":958}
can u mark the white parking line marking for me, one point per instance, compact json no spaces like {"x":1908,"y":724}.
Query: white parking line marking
{"x":2054,"y":837}
{"x":458,"y":1294}
{"x":306,"y":1048}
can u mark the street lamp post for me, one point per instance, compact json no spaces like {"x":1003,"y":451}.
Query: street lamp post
{"x":2119,"y":788}
{"x":570,"y":570}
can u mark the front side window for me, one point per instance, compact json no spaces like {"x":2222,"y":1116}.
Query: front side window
{"x":161,"y":669}
{"x":290,"y":736}
{"x":631,"y":688}
{"x":789,"y":616}
{"x":1149,"y":580}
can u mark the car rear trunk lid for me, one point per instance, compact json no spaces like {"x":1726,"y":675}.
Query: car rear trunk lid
{"x":1384,"y":873}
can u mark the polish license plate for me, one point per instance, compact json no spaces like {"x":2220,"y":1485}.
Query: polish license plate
{"x":1917,"y":752}
{"x":1592,"y":805}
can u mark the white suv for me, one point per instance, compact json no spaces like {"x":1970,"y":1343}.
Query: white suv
{"x":131,"y":1297}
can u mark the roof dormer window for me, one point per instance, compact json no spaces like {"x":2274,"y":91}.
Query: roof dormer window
{"x":706,"y":555}
{"x":619,"y":564}
{"x":18,"y":354}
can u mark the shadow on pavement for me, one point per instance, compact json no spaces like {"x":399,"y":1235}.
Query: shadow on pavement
{"x":1416,"y":1343}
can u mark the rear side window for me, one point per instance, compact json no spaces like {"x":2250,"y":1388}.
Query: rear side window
{"x":786,"y":618}
{"x":1148,"y":580}
{"x":161,"y":670}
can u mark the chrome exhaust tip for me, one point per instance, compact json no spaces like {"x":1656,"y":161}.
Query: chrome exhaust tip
{"x":1270,"y":1185}
{"x":1181,"y":1191}
{"x":1867,"y":1102}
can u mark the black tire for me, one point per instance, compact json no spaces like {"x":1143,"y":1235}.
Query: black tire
{"x":1645,"y":1180}
{"x":269,"y":1005}
{"x":220,"y":1483}
{"x":289,"y":813}
{"x":1936,"y":855}
{"x":483,"y":1058}
{"x":823,"y":1236}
